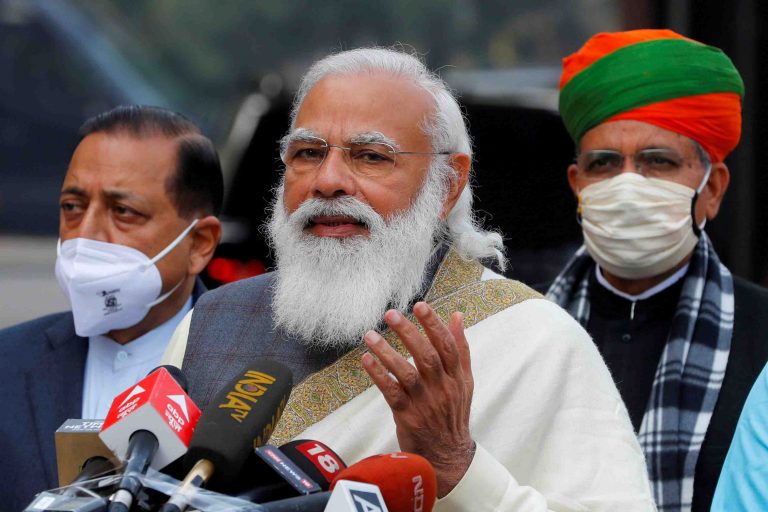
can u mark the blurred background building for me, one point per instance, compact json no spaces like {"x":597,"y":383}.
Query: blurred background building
{"x":232,"y":67}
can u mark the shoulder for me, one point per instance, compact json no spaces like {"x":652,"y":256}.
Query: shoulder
{"x":29,"y":339}
{"x":749,"y":292}
{"x":35,"y":327}
{"x":535,"y":320}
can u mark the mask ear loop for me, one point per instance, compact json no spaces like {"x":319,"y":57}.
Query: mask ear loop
{"x":172,"y":245}
{"x":578,"y":208}
{"x":696,"y":227}
{"x":165,"y":251}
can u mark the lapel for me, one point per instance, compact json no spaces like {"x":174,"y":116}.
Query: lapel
{"x":198,"y":290}
{"x":55,"y":387}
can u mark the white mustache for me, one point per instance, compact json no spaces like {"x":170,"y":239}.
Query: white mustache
{"x":344,"y":206}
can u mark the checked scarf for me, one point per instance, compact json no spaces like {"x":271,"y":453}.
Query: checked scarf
{"x":689,"y":374}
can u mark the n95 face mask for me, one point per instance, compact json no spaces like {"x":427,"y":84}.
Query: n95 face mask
{"x":110,"y":286}
{"x":636,"y":227}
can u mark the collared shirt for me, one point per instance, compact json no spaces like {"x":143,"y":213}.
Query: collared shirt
{"x":110,"y":367}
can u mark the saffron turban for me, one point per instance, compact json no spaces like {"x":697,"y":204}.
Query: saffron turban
{"x":657,"y":77}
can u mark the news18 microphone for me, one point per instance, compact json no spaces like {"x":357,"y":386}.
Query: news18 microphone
{"x":150,"y":423}
{"x":303,"y":467}
{"x":239,"y":418}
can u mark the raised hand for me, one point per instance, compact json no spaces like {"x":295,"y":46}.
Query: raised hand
{"x":431,"y":401}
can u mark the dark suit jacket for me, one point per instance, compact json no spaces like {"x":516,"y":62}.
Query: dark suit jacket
{"x":42,"y":362}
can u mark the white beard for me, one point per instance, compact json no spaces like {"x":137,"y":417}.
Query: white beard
{"x":329,"y":292}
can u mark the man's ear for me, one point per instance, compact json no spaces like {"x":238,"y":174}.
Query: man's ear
{"x":205,"y":237}
{"x":461,"y":163}
{"x":573,"y":170}
{"x":714,"y":191}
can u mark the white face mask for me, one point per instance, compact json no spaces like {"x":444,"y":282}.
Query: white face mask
{"x":636,"y":227}
{"x":110,"y":286}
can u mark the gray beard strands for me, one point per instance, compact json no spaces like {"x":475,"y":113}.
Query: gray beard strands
{"x":329,"y":292}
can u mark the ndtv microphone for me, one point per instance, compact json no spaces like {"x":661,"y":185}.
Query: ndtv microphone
{"x":150,"y":423}
{"x":238,"y":419}
{"x":406,"y":480}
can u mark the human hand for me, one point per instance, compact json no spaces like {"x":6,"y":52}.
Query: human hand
{"x":430,"y":402}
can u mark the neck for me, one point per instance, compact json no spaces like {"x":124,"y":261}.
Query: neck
{"x":158,"y":315}
{"x":638,"y":286}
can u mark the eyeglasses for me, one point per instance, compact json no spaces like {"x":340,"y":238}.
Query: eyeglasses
{"x":307,"y":154}
{"x":652,"y":163}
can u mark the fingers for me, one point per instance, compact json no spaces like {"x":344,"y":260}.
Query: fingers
{"x":390,"y":388}
{"x":402,"y":370}
{"x":456,"y":327}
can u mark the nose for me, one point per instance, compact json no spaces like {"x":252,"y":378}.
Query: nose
{"x":628,"y":164}
{"x":91,"y":225}
{"x":334,"y":177}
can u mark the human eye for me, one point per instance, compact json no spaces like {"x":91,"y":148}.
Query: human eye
{"x":372,"y":154}
{"x":70,"y":207}
{"x":658,"y":161}
{"x":303,"y":151}
{"x":602,"y":162}
{"x":126,"y":213}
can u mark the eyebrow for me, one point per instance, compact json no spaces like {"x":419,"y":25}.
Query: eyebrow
{"x":114,"y":195}
{"x":374,"y":138}
{"x":305,"y":134}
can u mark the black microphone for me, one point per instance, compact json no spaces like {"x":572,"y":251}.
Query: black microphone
{"x":240,"y":417}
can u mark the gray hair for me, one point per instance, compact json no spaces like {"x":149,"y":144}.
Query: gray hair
{"x":446,"y":127}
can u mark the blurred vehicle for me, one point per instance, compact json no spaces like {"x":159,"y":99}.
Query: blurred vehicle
{"x":58,"y":70}
{"x":521,"y":154}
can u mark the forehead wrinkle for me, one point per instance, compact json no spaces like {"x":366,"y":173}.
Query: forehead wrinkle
{"x":119,"y":195}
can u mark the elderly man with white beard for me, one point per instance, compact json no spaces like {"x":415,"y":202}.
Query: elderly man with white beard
{"x":397,"y":335}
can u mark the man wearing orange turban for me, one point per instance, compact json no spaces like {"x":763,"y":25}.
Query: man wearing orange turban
{"x":653,"y":115}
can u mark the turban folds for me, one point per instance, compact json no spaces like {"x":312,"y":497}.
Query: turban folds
{"x":657,"y":77}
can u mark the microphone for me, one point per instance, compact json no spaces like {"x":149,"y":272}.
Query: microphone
{"x":406,"y":480}
{"x":347,"y":496}
{"x":150,"y":423}
{"x":305,"y":466}
{"x":176,"y":373}
{"x":396,"y":481}
{"x":316,"y":459}
{"x":240,"y":417}
{"x":76,"y":442}
{"x":96,"y":466}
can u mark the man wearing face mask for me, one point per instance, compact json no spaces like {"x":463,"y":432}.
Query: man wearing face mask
{"x":137,"y":225}
{"x":653,"y":115}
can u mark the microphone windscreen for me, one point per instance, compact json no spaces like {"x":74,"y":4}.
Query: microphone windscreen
{"x":239,"y":418}
{"x":177,"y":375}
{"x":158,"y":405}
{"x":406,"y":480}
{"x":316,"y":459}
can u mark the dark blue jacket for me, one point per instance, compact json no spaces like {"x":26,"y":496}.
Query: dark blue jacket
{"x":42,"y":364}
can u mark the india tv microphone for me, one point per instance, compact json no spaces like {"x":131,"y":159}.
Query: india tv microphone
{"x":406,"y":480}
{"x":149,"y":424}
{"x":238,"y":419}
